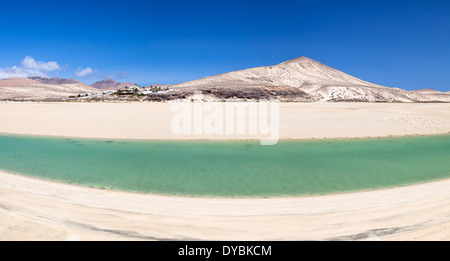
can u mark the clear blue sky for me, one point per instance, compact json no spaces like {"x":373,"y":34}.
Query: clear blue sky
{"x":403,"y":44}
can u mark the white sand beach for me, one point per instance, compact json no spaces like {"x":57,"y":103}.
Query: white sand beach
{"x":32,"y":209}
{"x":153,"y":120}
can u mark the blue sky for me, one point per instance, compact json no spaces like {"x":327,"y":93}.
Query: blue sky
{"x":403,"y":44}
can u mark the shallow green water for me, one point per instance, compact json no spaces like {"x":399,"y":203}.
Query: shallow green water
{"x":231,"y":169}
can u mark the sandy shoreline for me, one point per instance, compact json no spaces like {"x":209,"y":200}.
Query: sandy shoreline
{"x":32,"y":209}
{"x":28,"y":212}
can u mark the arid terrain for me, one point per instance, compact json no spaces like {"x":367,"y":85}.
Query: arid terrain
{"x":303,"y":79}
{"x":19,"y":88}
{"x":298,"y":80}
{"x":109,"y":84}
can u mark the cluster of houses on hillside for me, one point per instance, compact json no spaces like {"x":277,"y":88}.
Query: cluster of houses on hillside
{"x":154,"y":89}
{"x":128,"y":90}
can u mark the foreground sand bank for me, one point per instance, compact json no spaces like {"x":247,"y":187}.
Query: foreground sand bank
{"x":153,"y":120}
{"x":39,"y":210}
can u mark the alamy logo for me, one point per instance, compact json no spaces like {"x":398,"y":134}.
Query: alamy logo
{"x":232,"y":119}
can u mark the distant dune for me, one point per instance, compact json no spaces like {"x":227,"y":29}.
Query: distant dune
{"x":308,"y":80}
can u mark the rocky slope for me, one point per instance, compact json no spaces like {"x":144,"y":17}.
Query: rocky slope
{"x":303,"y":79}
{"x":19,"y":88}
{"x":109,"y":84}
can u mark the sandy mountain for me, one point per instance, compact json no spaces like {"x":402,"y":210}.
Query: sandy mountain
{"x":55,"y":80}
{"x":34,"y":89}
{"x":427,"y":90}
{"x":109,"y":84}
{"x":59,"y":81}
{"x":303,"y":79}
{"x":17,"y":82}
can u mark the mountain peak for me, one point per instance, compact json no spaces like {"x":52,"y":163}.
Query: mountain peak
{"x":109,"y":84}
{"x":301,"y":73}
{"x":38,"y":77}
{"x":108,"y":81}
{"x":55,"y":80}
{"x":301,"y":59}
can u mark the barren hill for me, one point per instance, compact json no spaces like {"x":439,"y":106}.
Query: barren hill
{"x":35,"y":89}
{"x":427,"y":90}
{"x":109,"y":84}
{"x":302,"y":79}
{"x":17,"y":82}
{"x":60,"y":81}
{"x":55,"y":80}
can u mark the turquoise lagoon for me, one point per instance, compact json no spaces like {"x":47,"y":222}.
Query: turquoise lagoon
{"x":230,"y":168}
